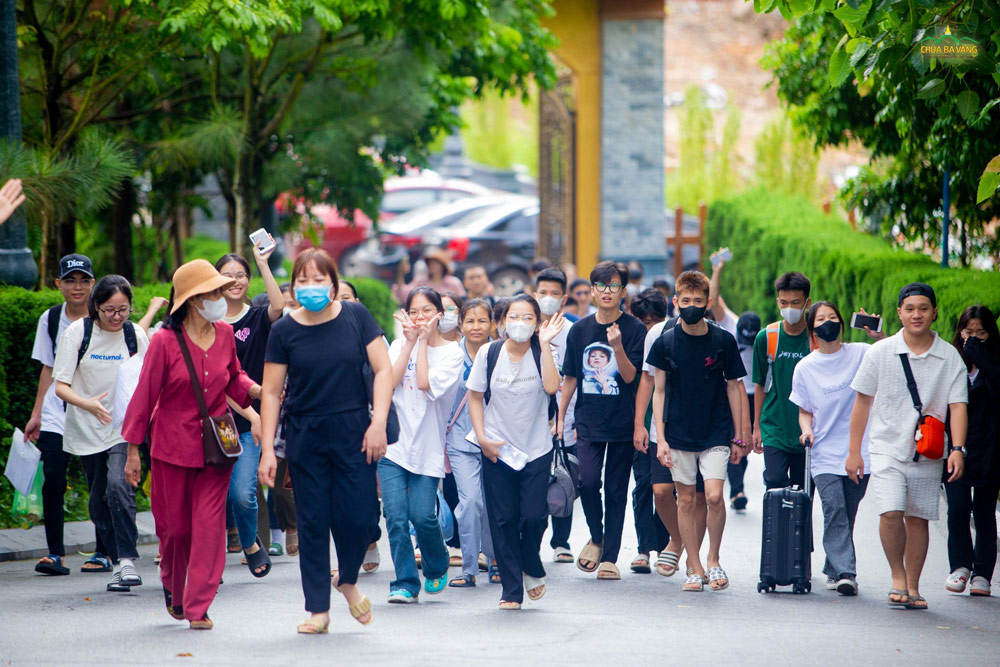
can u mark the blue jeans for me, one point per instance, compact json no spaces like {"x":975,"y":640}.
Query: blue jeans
{"x":243,"y":491}
{"x":470,"y":515}
{"x":410,"y":498}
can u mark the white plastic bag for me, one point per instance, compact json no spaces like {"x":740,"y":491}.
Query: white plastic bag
{"x":125,"y":386}
{"x":22,"y":462}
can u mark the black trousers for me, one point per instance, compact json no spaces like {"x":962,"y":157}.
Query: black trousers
{"x":736,"y":471}
{"x":783,"y":468}
{"x":649,"y":530}
{"x":605,"y":521}
{"x":517,"y":511}
{"x":449,"y":489}
{"x":562,"y":526}
{"x":54,"y":462}
{"x":335,"y":493}
{"x":979,"y":501}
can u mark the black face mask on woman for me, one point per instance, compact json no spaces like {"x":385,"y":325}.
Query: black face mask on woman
{"x":692,"y":314}
{"x":828,"y":331}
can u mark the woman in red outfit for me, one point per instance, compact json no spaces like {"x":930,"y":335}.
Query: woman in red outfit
{"x":188,"y":496}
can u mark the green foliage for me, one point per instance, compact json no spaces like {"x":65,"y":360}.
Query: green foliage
{"x":856,"y":72}
{"x":707,"y":169}
{"x":502,"y":132}
{"x":770,"y":234}
{"x":786,"y":160}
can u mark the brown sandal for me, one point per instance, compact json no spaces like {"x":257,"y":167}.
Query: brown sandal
{"x":314,"y":626}
{"x":590,"y":553}
{"x":292,"y":542}
{"x":203,"y":624}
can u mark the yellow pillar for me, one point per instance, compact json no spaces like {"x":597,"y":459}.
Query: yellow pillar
{"x":577,"y":25}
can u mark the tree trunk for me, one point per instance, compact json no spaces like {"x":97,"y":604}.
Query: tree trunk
{"x":66,"y":232}
{"x":121,"y":230}
{"x":49,"y":266}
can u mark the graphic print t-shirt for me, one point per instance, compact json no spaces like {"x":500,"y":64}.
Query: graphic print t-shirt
{"x":698,"y":416}
{"x":251,"y":332}
{"x":605,"y":403}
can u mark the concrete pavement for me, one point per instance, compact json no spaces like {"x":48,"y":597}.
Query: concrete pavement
{"x":581,"y":621}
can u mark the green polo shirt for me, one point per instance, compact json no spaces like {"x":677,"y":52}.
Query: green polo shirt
{"x":779,"y":417}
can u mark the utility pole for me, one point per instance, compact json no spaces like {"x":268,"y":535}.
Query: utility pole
{"x":17,"y":265}
{"x":946,"y":197}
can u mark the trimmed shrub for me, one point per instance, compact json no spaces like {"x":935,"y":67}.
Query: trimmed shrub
{"x":770,"y":234}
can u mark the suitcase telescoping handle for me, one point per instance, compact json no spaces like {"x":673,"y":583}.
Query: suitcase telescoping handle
{"x":807,"y":477}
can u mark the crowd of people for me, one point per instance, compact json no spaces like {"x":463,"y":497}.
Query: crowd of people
{"x":286,"y":420}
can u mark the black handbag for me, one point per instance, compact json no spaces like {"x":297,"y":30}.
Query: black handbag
{"x":564,"y":480}
{"x":368,"y":376}
{"x":219,"y":437}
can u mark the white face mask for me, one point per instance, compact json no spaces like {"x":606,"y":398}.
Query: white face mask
{"x":792,"y":315}
{"x":549,"y":305}
{"x":213,"y":311}
{"x":448,"y":322}
{"x":519,"y":331}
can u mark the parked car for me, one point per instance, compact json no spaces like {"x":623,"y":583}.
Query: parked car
{"x":501,"y":238}
{"x":342,"y":237}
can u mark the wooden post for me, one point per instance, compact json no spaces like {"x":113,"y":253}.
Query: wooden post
{"x":678,"y":240}
{"x":851,"y":218}
{"x":826,"y":207}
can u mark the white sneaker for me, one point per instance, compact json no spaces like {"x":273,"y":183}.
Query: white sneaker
{"x":980,"y":586}
{"x":957,"y":580}
{"x":847,"y":586}
{"x":831,"y":583}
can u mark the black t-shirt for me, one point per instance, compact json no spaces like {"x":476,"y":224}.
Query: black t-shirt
{"x":251,"y":333}
{"x":324,"y":361}
{"x":698,"y":415}
{"x":605,"y":403}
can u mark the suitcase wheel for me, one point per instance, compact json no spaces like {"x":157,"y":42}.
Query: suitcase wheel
{"x":761,"y":587}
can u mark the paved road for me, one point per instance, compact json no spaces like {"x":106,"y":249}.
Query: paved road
{"x":639,"y":620}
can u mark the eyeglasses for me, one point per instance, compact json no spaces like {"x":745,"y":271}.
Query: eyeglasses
{"x":426,"y":312}
{"x":981,"y":334}
{"x":514,"y":317}
{"x":614,"y":288}
{"x":236,"y":276}
{"x":73,"y":282}
{"x":116,"y":312}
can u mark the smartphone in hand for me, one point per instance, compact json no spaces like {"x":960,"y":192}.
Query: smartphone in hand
{"x":723,"y":255}
{"x":860,"y":321}
{"x":263,"y":241}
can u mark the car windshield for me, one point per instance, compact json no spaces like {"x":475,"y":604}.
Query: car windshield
{"x":484,"y":215}
{"x":413,"y":220}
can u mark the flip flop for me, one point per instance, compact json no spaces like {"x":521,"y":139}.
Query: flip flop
{"x":53,"y":567}
{"x":371,"y":562}
{"x":913,"y":599}
{"x":97,"y":559}
{"x":258,"y":559}
{"x":640,"y":564}
{"x":900,"y":593}
{"x":666,"y":563}
{"x":608,"y":571}
{"x":534,"y":583}
{"x":716,"y":575}
{"x":590,"y":553}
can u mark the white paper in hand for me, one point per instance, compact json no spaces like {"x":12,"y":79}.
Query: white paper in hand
{"x":22,"y":462}
{"x":125,"y":385}
{"x":509,"y":454}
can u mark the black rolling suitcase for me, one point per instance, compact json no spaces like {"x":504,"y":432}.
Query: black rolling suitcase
{"x":786,"y":544}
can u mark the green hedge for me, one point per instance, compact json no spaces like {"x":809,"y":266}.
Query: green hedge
{"x":19,"y":312}
{"x":770,"y":234}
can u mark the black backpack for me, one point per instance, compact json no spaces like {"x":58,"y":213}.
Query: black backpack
{"x":54,"y":314}
{"x":670,"y":348}
{"x":493,"y":354}
{"x":88,"y":331}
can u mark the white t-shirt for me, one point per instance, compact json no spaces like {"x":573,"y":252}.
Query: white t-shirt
{"x":423,"y":415}
{"x":558,"y":346}
{"x":518,"y":412}
{"x":95,"y":375}
{"x":53,"y":415}
{"x":651,"y":337}
{"x":821,"y":384}
{"x":940,"y":375}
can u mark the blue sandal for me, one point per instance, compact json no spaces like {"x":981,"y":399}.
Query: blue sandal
{"x":97,"y":559}
{"x":54,"y":567}
{"x":463,"y":581}
{"x":494,"y":573}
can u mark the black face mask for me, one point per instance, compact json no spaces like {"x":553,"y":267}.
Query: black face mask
{"x":692,"y":314}
{"x":828,"y":331}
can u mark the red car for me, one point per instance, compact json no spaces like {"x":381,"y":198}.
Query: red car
{"x":341,"y":237}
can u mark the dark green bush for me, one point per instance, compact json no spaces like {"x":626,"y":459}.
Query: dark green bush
{"x":770,"y":234}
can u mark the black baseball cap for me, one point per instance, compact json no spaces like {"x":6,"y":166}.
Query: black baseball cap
{"x":747,"y":328}
{"x":917,"y":289}
{"x":75,"y":262}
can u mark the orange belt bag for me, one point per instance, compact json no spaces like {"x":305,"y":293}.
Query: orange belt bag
{"x":929,"y":435}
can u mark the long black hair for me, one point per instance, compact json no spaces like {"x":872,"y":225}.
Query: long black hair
{"x":986,"y":319}
{"x":106,"y":288}
{"x":811,"y":318}
{"x":175,"y":320}
{"x":428,"y":293}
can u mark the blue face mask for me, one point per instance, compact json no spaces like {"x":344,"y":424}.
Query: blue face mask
{"x":313,"y":297}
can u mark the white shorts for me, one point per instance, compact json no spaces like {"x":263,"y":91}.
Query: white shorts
{"x":713,"y":463}
{"x":911,"y":487}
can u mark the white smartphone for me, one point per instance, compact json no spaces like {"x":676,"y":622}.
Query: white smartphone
{"x":860,"y":321}
{"x":263,"y":241}
{"x":723,"y":255}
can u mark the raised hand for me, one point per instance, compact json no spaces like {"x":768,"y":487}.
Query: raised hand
{"x":11,"y":197}
{"x":410,"y":329}
{"x":427,"y":327}
{"x":551,"y":329}
{"x":615,"y":337}
{"x":262,"y":257}
{"x":874,"y":335}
